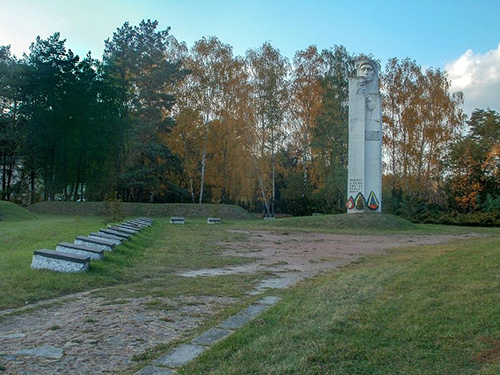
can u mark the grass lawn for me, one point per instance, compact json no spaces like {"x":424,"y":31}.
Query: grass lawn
{"x":155,"y":254}
{"x":428,"y":310}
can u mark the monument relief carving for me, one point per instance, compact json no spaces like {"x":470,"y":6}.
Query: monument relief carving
{"x":364,"y":185}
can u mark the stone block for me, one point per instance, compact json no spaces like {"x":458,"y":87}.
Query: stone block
{"x":123,"y":230}
{"x":211,"y":336}
{"x":139,"y":223}
{"x":92,"y":252}
{"x":123,"y":236}
{"x":154,"y":370}
{"x":177,"y":220}
{"x":59,"y":261}
{"x":101,"y":244}
{"x":180,"y":355}
{"x":235,"y":321}
{"x":253,"y":310}
{"x":214,"y":220}
{"x":108,"y":237}
{"x":133,"y":227}
{"x":269,"y":300}
{"x":47,"y":351}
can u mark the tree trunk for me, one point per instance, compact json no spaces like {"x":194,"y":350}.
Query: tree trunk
{"x":32,"y":183}
{"x":203,"y":162}
{"x":4,"y":175}
{"x":191,"y":187}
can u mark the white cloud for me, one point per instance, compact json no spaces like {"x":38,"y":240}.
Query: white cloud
{"x":478,"y":76}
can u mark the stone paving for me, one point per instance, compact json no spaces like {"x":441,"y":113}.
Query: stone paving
{"x":185,"y":353}
{"x":88,"y":335}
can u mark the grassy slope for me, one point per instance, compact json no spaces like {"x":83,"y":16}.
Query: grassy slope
{"x":224,"y":211}
{"x":12,"y":212}
{"x":429,"y":310}
{"x":375,"y":224}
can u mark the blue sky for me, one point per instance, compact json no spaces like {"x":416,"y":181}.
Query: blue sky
{"x":460,"y":36}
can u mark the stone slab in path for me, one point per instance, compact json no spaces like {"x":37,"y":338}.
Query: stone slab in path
{"x":13,"y":336}
{"x":47,"y":351}
{"x":253,"y":310}
{"x":211,"y":336}
{"x":180,"y":355}
{"x":154,"y":370}
{"x":235,"y":321}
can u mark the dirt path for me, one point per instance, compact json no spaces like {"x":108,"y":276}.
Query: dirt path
{"x":86,"y":334}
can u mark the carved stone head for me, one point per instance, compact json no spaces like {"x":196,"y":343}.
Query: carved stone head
{"x":367,"y":70}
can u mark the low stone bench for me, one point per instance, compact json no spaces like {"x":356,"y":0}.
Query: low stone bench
{"x":108,"y":237}
{"x":135,"y":227}
{"x":148,"y":220}
{"x":177,"y":220}
{"x":119,"y":228}
{"x":82,"y":250}
{"x":214,"y":220}
{"x":59,"y":261}
{"x":122,"y":235}
{"x":94,"y":242}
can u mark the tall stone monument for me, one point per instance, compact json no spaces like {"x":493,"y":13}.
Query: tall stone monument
{"x":364,"y":180}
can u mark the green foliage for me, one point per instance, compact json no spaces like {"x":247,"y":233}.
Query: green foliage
{"x":113,"y":208}
{"x":491,"y":204}
{"x":140,"y":71}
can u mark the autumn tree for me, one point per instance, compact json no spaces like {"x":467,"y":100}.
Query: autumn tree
{"x":230,"y":141}
{"x":306,"y":94}
{"x":213,"y":122}
{"x":474,"y":164}
{"x":268,"y":71}
{"x":421,"y":120}
{"x":203,"y":92}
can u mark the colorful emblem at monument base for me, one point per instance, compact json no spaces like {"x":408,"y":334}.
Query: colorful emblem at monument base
{"x":350,"y":203}
{"x":359,"y":202}
{"x":372,"y":201}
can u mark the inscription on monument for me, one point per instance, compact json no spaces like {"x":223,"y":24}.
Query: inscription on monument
{"x":355,"y":185}
{"x":372,"y":135}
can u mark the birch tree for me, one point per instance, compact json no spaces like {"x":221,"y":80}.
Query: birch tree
{"x":306,"y":94}
{"x":268,"y":71}
{"x":421,"y":120}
